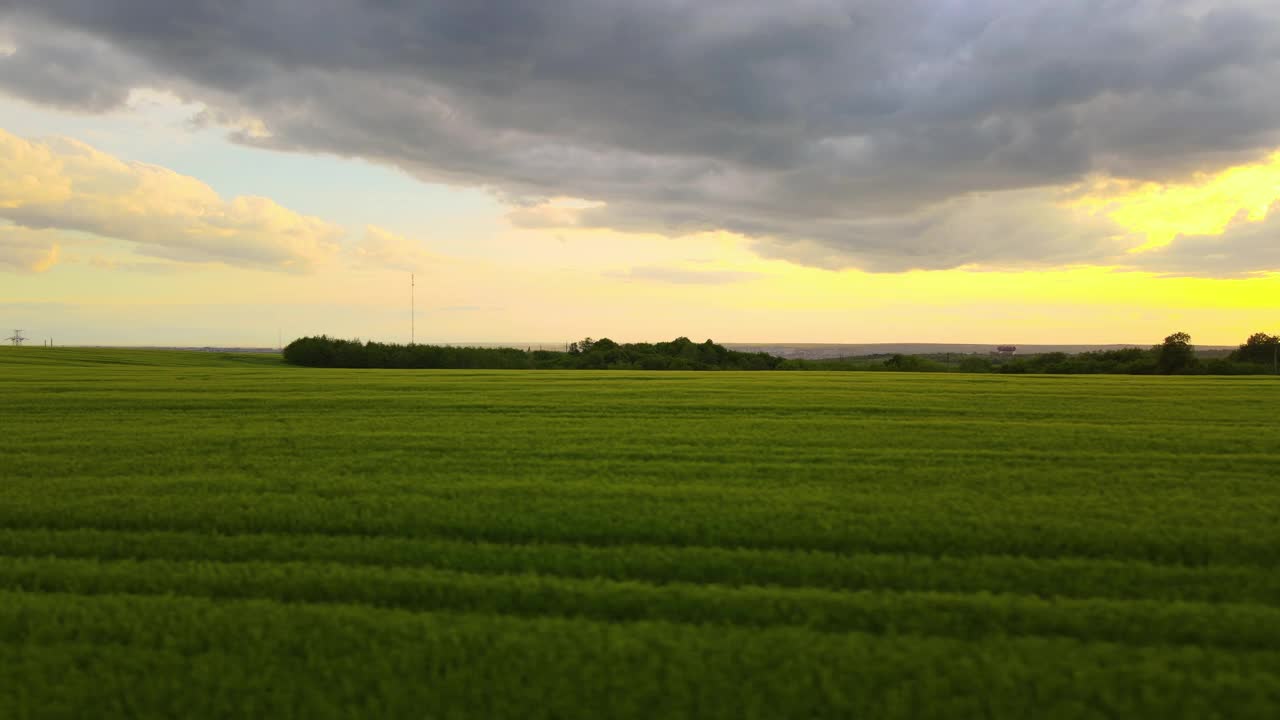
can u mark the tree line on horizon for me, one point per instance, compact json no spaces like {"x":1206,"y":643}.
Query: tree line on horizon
{"x":588,"y":354}
{"x":1258,"y":355}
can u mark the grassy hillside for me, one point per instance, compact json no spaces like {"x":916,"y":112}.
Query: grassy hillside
{"x":214,"y":535}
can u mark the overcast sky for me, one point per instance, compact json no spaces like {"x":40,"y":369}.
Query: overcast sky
{"x":213,"y":172}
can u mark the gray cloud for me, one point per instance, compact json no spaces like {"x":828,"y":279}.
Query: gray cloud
{"x":831,"y":131}
{"x":1022,"y":228}
{"x":71,"y":71}
{"x":1244,"y":250}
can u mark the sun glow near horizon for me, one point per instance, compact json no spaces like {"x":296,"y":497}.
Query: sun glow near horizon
{"x":1207,"y":204}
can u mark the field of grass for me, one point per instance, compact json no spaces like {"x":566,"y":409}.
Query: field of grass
{"x":213,"y":535}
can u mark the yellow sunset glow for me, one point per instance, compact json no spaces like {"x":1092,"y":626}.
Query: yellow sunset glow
{"x":1204,"y":206}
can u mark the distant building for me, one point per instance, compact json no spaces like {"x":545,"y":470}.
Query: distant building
{"x":1005,"y":350}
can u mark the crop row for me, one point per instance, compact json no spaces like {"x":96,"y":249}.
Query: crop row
{"x":884,"y":524}
{"x":973,"y":615}
{"x":126,"y":655}
{"x":1130,"y":406}
{"x":1067,"y":578}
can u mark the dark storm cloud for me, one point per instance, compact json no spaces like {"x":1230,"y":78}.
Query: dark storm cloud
{"x":833,"y":132}
{"x":68,"y":71}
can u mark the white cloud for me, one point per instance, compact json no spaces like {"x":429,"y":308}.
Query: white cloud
{"x":28,"y":250}
{"x":64,"y":184}
{"x":682,"y":276}
{"x":552,"y":213}
{"x":383,"y":249}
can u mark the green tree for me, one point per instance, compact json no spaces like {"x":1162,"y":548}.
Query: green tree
{"x":1177,"y":354}
{"x":975,"y":364}
{"x":1260,"y":348}
{"x":903,"y":363}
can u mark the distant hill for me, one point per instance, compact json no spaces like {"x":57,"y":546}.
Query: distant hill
{"x":817,"y":351}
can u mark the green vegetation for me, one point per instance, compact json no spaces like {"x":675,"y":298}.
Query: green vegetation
{"x":1259,"y":349}
{"x":224,"y":535}
{"x":1259,"y":355}
{"x":604,"y":354}
{"x":1175,"y":356}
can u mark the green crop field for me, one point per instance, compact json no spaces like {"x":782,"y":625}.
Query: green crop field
{"x":205,"y":535}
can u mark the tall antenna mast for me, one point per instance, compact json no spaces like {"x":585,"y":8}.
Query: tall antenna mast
{"x":413,"y":309}
{"x":17,"y":338}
